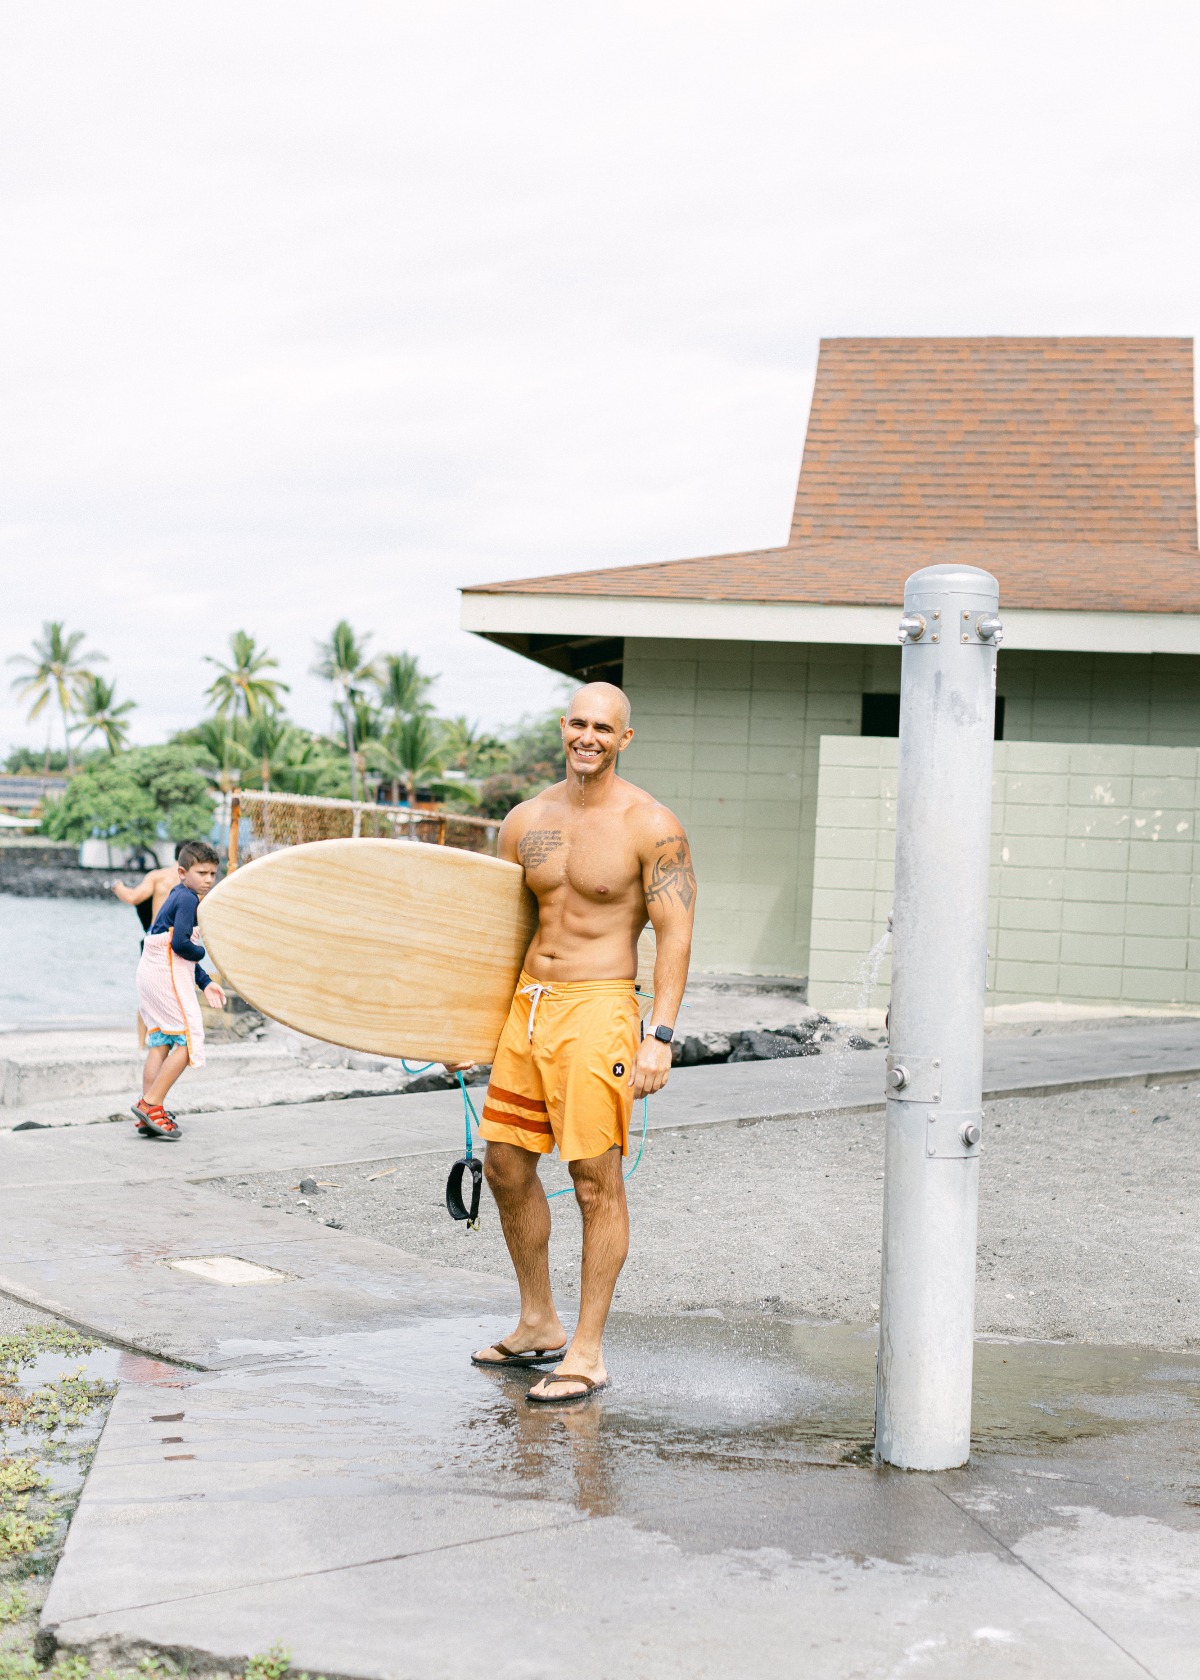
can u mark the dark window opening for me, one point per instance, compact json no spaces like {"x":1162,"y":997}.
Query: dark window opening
{"x":881,"y":715}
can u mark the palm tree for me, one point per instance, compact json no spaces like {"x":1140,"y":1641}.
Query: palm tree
{"x":302,"y":763}
{"x":467,"y":748}
{"x":369,"y":725}
{"x":56,"y":670}
{"x":219,"y":741}
{"x":410,"y":752}
{"x":267,"y":740}
{"x":402,"y":685}
{"x":241,"y":686}
{"x":96,"y":704}
{"x":342,"y":661}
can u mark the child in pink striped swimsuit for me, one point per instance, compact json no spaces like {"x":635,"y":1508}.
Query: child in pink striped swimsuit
{"x":167,"y":978}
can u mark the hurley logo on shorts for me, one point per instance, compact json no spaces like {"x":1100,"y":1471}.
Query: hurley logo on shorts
{"x":618,"y":1069}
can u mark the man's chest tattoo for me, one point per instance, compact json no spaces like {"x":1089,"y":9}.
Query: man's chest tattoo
{"x":671,"y":874}
{"x":539,"y":844}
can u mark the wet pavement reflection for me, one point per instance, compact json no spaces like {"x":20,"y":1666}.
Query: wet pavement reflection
{"x":694,"y":1399}
{"x":362,"y":1492}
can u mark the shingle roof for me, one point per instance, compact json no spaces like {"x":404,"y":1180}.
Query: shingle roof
{"x":1066,"y":466}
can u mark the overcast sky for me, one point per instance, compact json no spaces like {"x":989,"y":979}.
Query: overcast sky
{"x":313,"y":311}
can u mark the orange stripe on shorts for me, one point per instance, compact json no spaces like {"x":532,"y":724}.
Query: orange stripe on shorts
{"x":515,"y":1097}
{"x":518,"y":1123}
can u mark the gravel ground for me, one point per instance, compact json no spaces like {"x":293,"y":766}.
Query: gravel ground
{"x":16,"y":1316}
{"x":1089,"y":1208}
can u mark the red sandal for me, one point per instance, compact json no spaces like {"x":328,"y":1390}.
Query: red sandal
{"x":153,"y":1120}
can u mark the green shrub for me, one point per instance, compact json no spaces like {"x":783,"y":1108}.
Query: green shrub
{"x":134,"y":797}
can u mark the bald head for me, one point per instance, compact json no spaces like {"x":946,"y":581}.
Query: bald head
{"x":601,"y":696}
{"x":595,"y":731}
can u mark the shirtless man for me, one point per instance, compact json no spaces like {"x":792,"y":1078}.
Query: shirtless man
{"x":600,"y":856}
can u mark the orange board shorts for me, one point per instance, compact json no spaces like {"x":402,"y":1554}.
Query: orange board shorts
{"x":561,"y":1070}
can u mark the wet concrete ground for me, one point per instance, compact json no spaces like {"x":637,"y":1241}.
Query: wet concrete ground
{"x":1089,"y":1217}
{"x":384,"y":1509}
{"x":337,"y":1476}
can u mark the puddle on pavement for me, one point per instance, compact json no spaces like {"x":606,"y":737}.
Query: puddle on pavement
{"x":691,"y":1395}
{"x":70,"y":1390}
{"x":104,"y":1364}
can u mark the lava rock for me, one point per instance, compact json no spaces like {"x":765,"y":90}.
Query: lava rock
{"x":308,"y":1187}
{"x":443,"y":1081}
{"x":440,"y":1081}
{"x":802,"y":1034}
{"x":767,"y":1047}
{"x":698,"y":1049}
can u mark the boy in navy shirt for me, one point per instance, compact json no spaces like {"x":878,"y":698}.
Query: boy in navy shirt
{"x":167,"y":978}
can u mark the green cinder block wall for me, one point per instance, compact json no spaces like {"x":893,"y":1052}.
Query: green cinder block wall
{"x":729,"y":735}
{"x":1093,"y":879}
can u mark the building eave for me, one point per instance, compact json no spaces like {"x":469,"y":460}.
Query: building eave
{"x":510,"y":617}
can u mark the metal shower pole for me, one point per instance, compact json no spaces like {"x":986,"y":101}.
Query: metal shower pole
{"x":950,"y":633}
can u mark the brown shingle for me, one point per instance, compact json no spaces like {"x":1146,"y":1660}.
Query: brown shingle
{"x":1066,"y":466}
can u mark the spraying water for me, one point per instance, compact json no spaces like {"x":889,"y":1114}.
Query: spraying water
{"x":854,"y":999}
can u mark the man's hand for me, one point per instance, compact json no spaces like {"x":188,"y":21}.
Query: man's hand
{"x":214,"y":996}
{"x":651,"y":1067}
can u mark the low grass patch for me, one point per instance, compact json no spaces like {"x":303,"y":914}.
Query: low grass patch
{"x":48,"y":1433}
{"x":47,"y":1438}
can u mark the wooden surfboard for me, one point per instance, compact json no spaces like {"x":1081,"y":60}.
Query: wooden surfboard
{"x":390,"y":946}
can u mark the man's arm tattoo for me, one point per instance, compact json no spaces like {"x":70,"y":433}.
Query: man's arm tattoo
{"x":536,"y":846}
{"x":671,"y":874}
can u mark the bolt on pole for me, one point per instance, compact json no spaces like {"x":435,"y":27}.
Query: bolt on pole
{"x":949,"y":633}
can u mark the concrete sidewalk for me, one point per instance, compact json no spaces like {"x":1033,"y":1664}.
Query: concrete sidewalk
{"x":390,"y":1127}
{"x":382,"y":1509}
{"x":336,"y":1476}
{"x":103,"y":1261}
{"x":89,"y":1217}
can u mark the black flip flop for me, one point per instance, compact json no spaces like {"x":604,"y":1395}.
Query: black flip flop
{"x":525,"y":1361}
{"x":566,"y":1399}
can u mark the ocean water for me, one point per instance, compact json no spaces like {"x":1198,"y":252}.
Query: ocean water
{"x":65,"y":962}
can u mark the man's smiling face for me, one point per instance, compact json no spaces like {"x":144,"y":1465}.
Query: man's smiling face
{"x":595,"y":729}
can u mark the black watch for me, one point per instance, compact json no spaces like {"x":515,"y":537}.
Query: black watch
{"x":664,"y":1035}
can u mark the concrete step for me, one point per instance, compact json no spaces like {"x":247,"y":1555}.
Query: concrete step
{"x":36,"y":1073}
{"x":209,"y":1090}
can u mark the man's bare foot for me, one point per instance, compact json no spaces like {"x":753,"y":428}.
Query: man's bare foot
{"x":547,"y":1339}
{"x":577,"y":1363}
